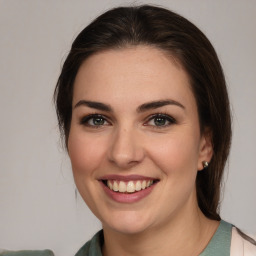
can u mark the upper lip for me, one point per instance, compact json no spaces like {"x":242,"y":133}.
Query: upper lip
{"x":126,"y":177}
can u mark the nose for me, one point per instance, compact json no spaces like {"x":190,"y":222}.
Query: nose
{"x":125,"y":149}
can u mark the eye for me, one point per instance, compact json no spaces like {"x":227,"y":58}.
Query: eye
{"x":160,"y":120}
{"x":94,"y":120}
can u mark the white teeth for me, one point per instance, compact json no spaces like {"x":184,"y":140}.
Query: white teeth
{"x":115,"y":186}
{"x":110,"y":185}
{"x":122,"y":186}
{"x":138,"y":186}
{"x":144,"y":184}
{"x":130,"y":186}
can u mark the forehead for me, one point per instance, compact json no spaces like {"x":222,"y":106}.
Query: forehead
{"x":136,"y":75}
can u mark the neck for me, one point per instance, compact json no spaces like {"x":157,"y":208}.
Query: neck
{"x":193,"y":230}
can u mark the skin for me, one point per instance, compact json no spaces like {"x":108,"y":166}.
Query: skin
{"x":128,"y":141}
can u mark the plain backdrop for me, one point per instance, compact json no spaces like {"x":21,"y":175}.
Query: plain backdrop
{"x":38,"y":206}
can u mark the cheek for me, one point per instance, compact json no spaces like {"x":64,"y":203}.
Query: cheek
{"x":177,"y":153}
{"x":176,"y":157}
{"x":176,"y":149}
{"x":85,"y":153}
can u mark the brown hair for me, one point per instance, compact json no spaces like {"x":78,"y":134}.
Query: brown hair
{"x":179,"y":38}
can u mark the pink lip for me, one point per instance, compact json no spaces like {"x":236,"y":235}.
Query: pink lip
{"x":127,"y":197}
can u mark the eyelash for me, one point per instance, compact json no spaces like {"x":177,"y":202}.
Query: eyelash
{"x":164,"y":116}
{"x":85,"y":120}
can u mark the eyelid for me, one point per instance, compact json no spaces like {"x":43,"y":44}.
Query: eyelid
{"x":84,"y":120}
{"x":169,"y":118}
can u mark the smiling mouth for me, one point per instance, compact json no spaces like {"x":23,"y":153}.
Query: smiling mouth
{"x":128,"y":186}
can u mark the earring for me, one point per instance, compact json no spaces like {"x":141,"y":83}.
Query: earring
{"x":205,"y":164}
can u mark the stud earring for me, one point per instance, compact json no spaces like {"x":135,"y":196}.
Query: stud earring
{"x":205,"y":164}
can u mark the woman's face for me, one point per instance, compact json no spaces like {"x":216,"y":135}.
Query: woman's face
{"x":135,"y":143}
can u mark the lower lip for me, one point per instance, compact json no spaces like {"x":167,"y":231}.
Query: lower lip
{"x":127,"y":197}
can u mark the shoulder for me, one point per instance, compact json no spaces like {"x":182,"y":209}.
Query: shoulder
{"x":93,"y":246}
{"x":26,"y":253}
{"x":240,"y":246}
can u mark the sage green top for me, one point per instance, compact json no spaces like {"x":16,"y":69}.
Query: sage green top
{"x":27,"y":253}
{"x":219,"y":244}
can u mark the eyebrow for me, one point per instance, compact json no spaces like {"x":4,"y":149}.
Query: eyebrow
{"x":142,"y":108}
{"x":158,"y":104}
{"x":94,"y":104}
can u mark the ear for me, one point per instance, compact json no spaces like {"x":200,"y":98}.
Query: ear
{"x":205,"y":149}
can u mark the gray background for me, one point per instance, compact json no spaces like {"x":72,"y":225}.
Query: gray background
{"x":38,"y":208}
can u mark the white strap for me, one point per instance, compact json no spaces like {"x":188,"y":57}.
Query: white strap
{"x":240,"y":246}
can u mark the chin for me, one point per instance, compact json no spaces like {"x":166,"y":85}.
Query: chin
{"x":128,"y":224}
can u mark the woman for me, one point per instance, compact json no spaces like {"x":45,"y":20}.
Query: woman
{"x":143,"y":106}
